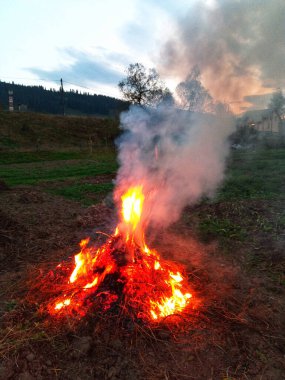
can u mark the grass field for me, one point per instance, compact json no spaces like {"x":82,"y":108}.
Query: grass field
{"x":250,"y":175}
{"x":248,"y":209}
{"x":65,"y":173}
{"x":255,"y":175}
{"x":233,"y":245}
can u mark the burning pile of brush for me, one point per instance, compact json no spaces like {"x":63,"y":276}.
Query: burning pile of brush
{"x":161,"y":151}
{"x":123,"y":273}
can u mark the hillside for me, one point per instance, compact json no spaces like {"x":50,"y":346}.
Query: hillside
{"x":32,"y":131}
{"x":38,"y":99}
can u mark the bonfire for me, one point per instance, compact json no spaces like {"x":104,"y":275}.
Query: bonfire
{"x":123,"y":274}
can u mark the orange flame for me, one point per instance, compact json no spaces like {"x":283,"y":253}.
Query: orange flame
{"x":132,"y":203}
{"x":131,"y":212}
{"x":153,"y":287}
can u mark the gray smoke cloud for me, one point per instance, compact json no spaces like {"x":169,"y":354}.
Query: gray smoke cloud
{"x":239,"y":47}
{"x":177,"y":157}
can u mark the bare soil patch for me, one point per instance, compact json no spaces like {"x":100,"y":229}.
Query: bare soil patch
{"x":237,"y":332}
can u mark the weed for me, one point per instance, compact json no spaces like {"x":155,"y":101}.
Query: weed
{"x":86,"y":193}
{"x":212,"y":227}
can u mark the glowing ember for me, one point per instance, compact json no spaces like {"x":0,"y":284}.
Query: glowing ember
{"x":124,"y":268}
{"x":60,"y":305}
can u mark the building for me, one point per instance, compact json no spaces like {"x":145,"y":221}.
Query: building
{"x":264,"y":121}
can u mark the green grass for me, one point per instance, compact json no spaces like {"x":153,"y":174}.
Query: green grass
{"x":7,"y":158}
{"x":255,"y":175}
{"x":51,"y":170}
{"x":86,"y":193}
{"x":32,"y":176}
{"x":247,"y":206}
{"x":213,"y":226}
{"x":7,"y":142}
{"x":29,"y":170}
{"x":250,"y":175}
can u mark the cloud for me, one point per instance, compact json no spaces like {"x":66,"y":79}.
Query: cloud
{"x":85,"y":69}
{"x":136,"y":34}
{"x":149,"y":27}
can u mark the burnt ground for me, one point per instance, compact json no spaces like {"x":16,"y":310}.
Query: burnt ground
{"x":237,"y":274}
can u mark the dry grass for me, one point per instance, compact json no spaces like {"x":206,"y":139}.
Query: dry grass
{"x":230,"y":330}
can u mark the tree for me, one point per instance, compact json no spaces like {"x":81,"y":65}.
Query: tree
{"x":193,"y":95}
{"x":143,"y":87}
{"x":277,"y":103}
{"x":277,"y":106}
{"x":244,"y":135}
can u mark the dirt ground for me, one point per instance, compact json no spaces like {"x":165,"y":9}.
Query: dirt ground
{"x":236,"y":332}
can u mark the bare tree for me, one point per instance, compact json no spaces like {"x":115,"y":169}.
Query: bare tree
{"x":143,"y":87}
{"x":193,"y":95}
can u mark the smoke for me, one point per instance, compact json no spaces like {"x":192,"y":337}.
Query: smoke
{"x":177,"y":157}
{"x":239,"y":47}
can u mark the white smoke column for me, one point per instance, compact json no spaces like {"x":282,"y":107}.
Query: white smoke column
{"x":190,"y":150}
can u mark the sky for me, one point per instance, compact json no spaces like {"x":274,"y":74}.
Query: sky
{"x":237,"y":44}
{"x":86,"y":42}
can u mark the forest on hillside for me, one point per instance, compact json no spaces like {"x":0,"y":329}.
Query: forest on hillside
{"x":39,"y":99}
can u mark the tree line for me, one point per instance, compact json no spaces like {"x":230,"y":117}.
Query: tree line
{"x":39,"y":99}
{"x":141,"y":86}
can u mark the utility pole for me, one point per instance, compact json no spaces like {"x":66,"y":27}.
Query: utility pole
{"x":11,"y":101}
{"x":62,"y":97}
